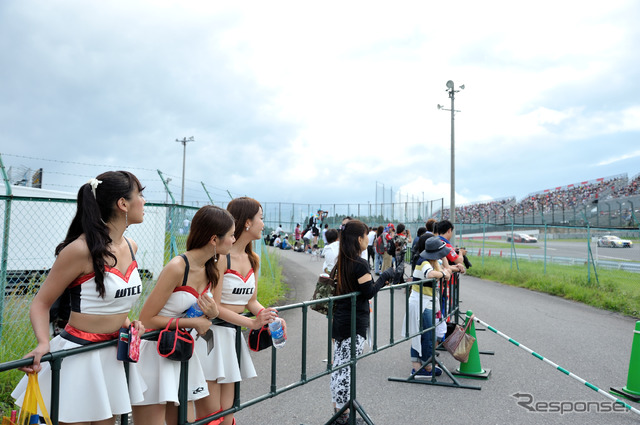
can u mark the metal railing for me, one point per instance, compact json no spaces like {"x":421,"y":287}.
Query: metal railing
{"x":449,"y":293}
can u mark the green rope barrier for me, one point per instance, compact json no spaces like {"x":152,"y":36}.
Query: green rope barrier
{"x":566,"y":372}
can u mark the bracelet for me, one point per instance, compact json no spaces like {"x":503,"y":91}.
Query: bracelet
{"x":260,"y":312}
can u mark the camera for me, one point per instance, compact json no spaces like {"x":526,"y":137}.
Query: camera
{"x":467,"y":263}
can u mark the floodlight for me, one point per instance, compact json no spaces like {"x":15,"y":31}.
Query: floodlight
{"x":450,"y":84}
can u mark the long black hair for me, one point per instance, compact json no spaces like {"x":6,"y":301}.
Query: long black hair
{"x":349,"y":254}
{"x":207,"y":222}
{"x":94,"y":212}
{"x":243,"y":209}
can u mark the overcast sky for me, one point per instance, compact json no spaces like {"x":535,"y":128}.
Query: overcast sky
{"x":322,"y":102}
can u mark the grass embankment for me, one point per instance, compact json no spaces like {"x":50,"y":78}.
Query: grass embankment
{"x":271,"y":288}
{"x":614,"y":290}
{"x":18,"y":338}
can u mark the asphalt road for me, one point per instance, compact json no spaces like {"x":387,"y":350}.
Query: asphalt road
{"x":590,"y":343}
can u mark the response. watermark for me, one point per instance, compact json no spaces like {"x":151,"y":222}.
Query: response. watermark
{"x":527,"y":401}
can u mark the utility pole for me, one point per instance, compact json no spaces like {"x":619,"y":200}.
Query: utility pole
{"x":184,"y":142}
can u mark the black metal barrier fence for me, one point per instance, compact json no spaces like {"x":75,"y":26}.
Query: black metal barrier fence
{"x":449,"y":298}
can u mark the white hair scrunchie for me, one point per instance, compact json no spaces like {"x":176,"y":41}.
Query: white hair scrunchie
{"x":94,"y":185}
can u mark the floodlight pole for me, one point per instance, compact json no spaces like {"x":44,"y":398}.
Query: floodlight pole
{"x":452,"y":208}
{"x":184,"y":142}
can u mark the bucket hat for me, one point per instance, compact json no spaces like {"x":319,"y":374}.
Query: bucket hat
{"x":435,"y":248}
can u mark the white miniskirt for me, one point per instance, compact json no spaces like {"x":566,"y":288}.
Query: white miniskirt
{"x":162,"y":377}
{"x":221,"y":364}
{"x":93,"y":385}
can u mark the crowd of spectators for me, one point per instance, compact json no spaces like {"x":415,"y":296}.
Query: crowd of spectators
{"x":477,"y":212}
{"x":569,"y":197}
{"x":566,"y":197}
{"x":633,"y":188}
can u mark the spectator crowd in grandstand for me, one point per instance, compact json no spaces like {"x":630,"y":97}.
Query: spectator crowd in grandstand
{"x":565,"y":197}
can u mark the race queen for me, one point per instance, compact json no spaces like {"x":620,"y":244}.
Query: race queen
{"x":97,"y":264}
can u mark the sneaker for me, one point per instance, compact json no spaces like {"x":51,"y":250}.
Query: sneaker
{"x":422,"y":373}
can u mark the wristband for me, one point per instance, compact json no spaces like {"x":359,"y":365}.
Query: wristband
{"x":260,"y":312}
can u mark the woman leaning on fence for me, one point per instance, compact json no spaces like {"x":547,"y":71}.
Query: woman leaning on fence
{"x":353,"y":275}
{"x":187,"y":279}
{"x":236,"y":293}
{"x":97,"y":263}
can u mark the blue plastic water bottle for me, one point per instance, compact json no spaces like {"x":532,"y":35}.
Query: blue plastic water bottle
{"x":277,"y":333}
{"x":193,"y":311}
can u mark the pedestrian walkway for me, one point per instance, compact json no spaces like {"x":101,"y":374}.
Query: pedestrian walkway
{"x":593,"y":344}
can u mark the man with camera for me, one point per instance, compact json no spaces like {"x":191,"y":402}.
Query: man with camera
{"x":444,"y":230}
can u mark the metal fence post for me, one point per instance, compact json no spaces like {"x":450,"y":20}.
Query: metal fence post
{"x":5,"y":241}
{"x":545,"y":248}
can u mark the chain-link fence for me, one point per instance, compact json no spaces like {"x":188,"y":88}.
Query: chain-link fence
{"x":611,"y":212}
{"x":288,"y":215}
{"x":32,"y":229}
{"x":591,"y":248}
{"x":608,"y":213}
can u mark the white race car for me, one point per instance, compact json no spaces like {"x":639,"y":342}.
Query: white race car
{"x":614,"y":242}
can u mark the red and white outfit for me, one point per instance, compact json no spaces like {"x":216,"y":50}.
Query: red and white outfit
{"x":161,"y":375}
{"x":93,"y":385}
{"x":222,"y":363}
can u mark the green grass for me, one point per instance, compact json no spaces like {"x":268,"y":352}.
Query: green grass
{"x":271,"y":288}
{"x":17,"y":340}
{"x":614,"y":290}
{"x":181,"y":244}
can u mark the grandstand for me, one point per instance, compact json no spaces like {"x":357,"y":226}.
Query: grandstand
{"x":613,"y":200}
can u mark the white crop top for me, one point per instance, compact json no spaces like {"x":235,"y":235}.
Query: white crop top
{"x":237,"y":289}
{"x":180,"y":300}
{"x":121,"y":291}
{"x":182,"y":297}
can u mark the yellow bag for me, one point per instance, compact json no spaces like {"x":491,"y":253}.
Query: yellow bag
{"x":33,"y":399}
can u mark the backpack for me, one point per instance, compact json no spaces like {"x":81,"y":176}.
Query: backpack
{"x":390,"y":245}
{"x":381,"y":247}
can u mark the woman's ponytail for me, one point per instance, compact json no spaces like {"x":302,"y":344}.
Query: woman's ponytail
{"x":96,"y":204}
